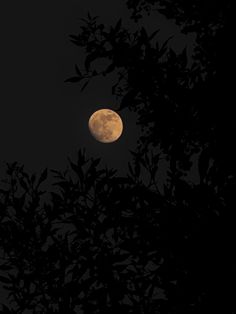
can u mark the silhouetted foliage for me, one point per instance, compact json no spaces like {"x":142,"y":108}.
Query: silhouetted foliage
{"x":106,"y":244}
{"x":179,"y":105}
{"x":89,"y":248}
{"x":193,"y":15}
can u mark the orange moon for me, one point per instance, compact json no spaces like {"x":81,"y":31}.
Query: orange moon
{"x":105,"y":125}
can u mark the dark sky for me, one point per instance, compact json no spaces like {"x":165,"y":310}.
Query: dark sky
{"x":42,"y":119}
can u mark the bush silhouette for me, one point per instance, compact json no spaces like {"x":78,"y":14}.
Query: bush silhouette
{"x":90,"y":248}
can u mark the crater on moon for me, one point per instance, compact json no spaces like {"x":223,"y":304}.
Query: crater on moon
{"x":105,"y":125}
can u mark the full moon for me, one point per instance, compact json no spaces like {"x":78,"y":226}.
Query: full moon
{"x":105,"y":125}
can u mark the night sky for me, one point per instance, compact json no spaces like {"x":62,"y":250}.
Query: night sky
{"x":43,"y":120}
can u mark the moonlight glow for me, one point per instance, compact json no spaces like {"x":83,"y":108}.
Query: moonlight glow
{"x":105,"y":125}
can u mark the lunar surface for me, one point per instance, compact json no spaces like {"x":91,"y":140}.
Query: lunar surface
{"x":105,"y":125}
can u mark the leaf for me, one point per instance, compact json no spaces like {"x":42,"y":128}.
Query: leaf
{"x":144,"y":34}
{"x":95,"y":162}
{"x":130,"y":169}
{"x":78,"y":70}
{"x":109,"y":69}
{"x":19,"y":202}
{"x":43,"y":177}
{"x":5,"y":309}
{"x":74,"y":37}
{"x":85,"y":84}
{"x":73,"y":166}
{"x":33,"y":177}
{"x":183,"y":58}
{"x":4,"y":191}
{"x":63,"y":184}
{"x":137,"y":169}
{"x":153,"y":35}
{"x":120,"y":180}
{"x":24,"y":184}
{"x":73,"y":79}
{"x":5,"y":267}
{"x":5,"y":280}
{"x":203,"y":163}
{"x":89,"y":59}
{"x":164,"y":46}
{"x":118,"y":25}
{"x":128,"y":99}
{"x":76,"y":40}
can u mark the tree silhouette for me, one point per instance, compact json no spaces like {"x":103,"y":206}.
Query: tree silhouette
{"x":88,"y":249}
{"x":106,"y":244}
